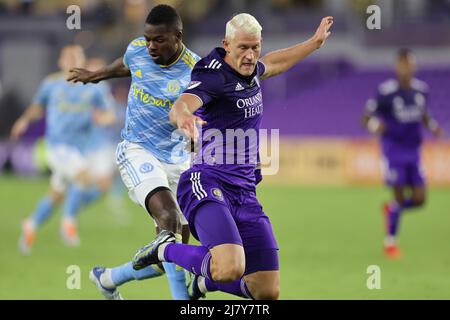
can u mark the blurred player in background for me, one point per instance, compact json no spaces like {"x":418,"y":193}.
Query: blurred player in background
{"x":72,"y":111}
{"x":99,"y":153}
{"x":160,"y":68}
{"x":397,"y":115}
{"x":239,"y":253}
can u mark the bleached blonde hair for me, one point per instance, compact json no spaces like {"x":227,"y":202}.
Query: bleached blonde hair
{"x":245,"y":22}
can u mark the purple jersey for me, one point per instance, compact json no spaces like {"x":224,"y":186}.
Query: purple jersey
{"x":232,"y":108}
{"x":402,"y":112}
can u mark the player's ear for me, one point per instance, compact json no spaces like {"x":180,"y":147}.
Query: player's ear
{"x":226,"y":45}
{"x":179,"y":35}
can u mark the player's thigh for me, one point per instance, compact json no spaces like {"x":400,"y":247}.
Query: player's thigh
{"x":102,"y":166}
{"x":264,"y":285}
{"x":141,"y":172}
{"x":214,"y":226}
{"x":399,"y":193}
{"x":174,"y":172}
{"x":66,"y":165}
{"x":395,"y":174}
{"x":258,"y":238}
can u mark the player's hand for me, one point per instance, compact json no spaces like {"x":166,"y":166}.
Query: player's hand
{"x":438,"y":132}
{"x":82,"y":75}
{"x":18,"y":129}
{"x":188,"y":123}
{"x":375,"y":126}
{"x":323,"y":31}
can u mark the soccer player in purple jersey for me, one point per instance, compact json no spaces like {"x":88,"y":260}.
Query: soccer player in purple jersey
{"x":239,"y":253}
{"x":397,"y":115}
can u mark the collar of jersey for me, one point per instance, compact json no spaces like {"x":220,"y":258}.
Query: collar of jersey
{"x":219,"y":53}
{"x":176,"y":60}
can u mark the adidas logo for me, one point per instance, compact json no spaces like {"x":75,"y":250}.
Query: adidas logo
{"x":239,"y":87}
{"x":138,"y":73}
{"x":214,"y":64}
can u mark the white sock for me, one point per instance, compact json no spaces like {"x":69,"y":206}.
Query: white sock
{"x":161,"y":252}
{"x":106,"y":279}
{"x":389,"y":241}
{"x":201,"y":284}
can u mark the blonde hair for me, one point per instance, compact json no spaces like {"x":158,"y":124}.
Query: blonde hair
{"x":245,"y":22}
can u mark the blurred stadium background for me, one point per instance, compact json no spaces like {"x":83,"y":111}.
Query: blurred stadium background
{"x":325,"y":201}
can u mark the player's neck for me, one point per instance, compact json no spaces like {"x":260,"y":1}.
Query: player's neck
{"x":176,"y":55}
{"x":405,"y":84}
{"x":227,"y":60}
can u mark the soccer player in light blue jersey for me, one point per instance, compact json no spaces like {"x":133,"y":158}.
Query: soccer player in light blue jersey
{"x":72,"y":111}
{"x":160,"y":67}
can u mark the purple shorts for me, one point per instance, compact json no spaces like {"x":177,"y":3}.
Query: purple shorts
{"x":254,"y":228}
{"x":404,"y":174}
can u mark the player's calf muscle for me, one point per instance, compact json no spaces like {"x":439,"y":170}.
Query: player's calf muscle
{"x":227,"y":262}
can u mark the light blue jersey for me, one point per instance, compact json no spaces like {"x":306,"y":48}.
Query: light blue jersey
{"x":69,"y":109}
{"x":154,"y":89}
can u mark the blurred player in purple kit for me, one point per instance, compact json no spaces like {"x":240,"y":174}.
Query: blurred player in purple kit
{"x":239,"y":253}
{"x":397,"y":115}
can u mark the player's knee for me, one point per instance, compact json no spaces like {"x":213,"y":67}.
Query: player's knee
{"x":56,"y":197}
{"x":229,"y":271}
{"x":419,"y":201}
{"x":267,"y":293}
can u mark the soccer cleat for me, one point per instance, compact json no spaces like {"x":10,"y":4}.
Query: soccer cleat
{"x":392,"y":251}
{"x":109,"y":294}
{"x":148,"y":254}
{"x":27,"y":237}
{"x":194,"y":292}
{"x":69,"y":233}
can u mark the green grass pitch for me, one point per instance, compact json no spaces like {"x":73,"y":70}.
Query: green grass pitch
{"x":327,"y":237}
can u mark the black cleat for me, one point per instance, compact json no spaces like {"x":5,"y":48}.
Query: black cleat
{"x":148,"y":254}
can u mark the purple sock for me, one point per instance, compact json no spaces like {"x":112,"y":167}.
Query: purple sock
{"x":192,"y":258}
{"x":237,"y":287}
{"x":394,"y":218}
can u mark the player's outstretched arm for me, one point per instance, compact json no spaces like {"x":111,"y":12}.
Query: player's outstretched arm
{"x":432,"y":125}
{"x":117,"y":69}
{"x":181,"y":114}
{"x":32,"y":113}
{"x":279,"y":61}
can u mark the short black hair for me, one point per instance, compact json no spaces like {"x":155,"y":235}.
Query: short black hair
{"x":166,"y":15}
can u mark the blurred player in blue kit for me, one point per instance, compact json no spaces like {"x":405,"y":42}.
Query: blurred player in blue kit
{"x":397,"y":114}
{"x":74,"y":113}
